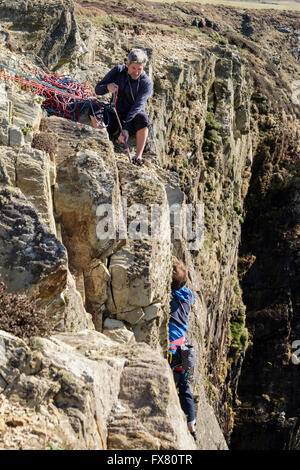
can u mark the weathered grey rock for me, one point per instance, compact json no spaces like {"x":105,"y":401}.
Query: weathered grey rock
{"x":7,"y":166}
{"x":133,"y":317}
{"x":85,"y":183}
{"x":67,"y":310}
{"x":88,"y":181}
{"x":145,"y":426}
{"x":46,"y":28}
{"x":117,"y":331}
{"x":79,"y":280}
{"x":5,"y":111}
{"x":16,"y":137}
{"x":31,"y":258}
{"x":89,"y":178}
{"x":152,"y":311}
{"x":153,"y":332}
{"x":33,"y":172}
{"x":89,"y":36}
{"x":18,"y":122}
{"x":88,"y":392}
{"x":75,"y":399}
{"x":112,"y":324}
{"x":96,"y":279}
{"x":20,"y":113}
{"x":120,"y":335}
{"x":138,"y":269}
{"x":4,"y":134}
{"x":98,"y":318}
{"x":73,"y":137}
{"x":209,"y":437}
{"x":26,"y":107}
{"x":10,"y":346}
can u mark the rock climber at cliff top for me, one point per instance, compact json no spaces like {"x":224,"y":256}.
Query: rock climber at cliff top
{"x":134,"y":88}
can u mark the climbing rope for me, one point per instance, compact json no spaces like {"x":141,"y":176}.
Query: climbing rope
{"x":113,"y":107}
{"x":63,"y":95}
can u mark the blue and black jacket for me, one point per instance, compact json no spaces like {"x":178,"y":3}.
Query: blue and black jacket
{"x":180,"y":306}
{"x":132,"y":94}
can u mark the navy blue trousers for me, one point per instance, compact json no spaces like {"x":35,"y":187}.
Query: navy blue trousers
{"x":185,"y":395}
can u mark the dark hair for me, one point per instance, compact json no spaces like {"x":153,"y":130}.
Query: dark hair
{"x":180,"y":275}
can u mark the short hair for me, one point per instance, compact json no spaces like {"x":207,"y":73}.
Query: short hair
{"x":138,"y":56}
{"x":180,"y":275}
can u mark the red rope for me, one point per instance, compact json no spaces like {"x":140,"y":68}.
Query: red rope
{"x":73,"y":96}
{"x":38,"y":88}
{"x":64,"y":96}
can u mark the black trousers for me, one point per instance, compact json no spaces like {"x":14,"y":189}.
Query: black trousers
{"x":140,"y":121}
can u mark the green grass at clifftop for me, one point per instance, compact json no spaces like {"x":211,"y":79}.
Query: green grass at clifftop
{"x":279,"y":5}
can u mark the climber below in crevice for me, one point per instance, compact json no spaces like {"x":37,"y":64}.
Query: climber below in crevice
{"x":180,"y":306}
{"x":134,"y":88}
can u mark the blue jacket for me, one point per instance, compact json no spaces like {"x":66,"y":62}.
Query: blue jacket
{"x":132,"y":95}
{"x":180,"y":306}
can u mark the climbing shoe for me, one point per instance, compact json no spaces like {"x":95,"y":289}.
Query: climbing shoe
{"x":137,"y":161}
{"x":192,"y":429}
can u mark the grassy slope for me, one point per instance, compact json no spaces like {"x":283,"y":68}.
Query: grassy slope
{"x":273,"y":4}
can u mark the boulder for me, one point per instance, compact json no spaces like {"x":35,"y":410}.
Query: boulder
{"x":84,"y":391}
{"x":117,"y":331}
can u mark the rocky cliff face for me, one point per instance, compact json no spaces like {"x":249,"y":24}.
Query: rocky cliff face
{"x":95,"y":384}
{"x":48,"y":30}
